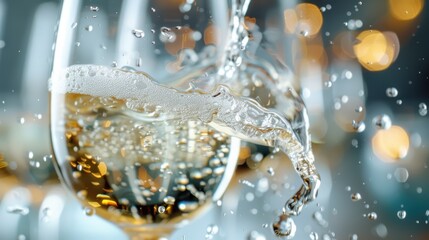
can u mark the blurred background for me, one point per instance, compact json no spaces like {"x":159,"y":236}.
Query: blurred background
{"x":363,"y":71}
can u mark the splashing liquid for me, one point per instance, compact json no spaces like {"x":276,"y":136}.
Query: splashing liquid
{"x":219,"y":106}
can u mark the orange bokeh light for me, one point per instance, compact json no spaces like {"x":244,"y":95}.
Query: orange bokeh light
{"x":406,"y":9}
{"x":376,"y":50}
{"x":306,"y":20}
{"x":391,"y":144}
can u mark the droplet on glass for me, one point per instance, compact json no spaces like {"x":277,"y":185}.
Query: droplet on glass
{"x":401,"y":214}
{"x":74,"y":25}
{"x":138,"y":33}
{"x":382,"y":121}
{"x":391,"y":92}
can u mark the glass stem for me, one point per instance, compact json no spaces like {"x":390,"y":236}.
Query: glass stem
{"x":148,"y":234}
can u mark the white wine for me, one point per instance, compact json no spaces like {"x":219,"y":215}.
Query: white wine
{"x":144,"y":99}
{"x":135,"y":168}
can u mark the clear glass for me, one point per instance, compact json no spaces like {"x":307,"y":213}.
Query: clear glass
{"x":149,"y":98}
{"x":142,"y":172}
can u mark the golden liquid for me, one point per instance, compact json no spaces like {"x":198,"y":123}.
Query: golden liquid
{"x":131,"y":168}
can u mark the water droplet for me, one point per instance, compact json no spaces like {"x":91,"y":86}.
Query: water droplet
{"x":77,"y":44}
{"x":401,"y":214}
{"x":94,"y":8}
{"x":21,"y":237}
{"x":382,"y":121}
{"x":423,"y":109}
{"x":285,"y":227}
{"x":328,"y":84}
{"x":358,"y":126}
{"x":153,"y":9}
{"x":372,"y":216}
{"x":89,"y":28}
{"x":22,"y":120}
{"x":89,"y":211}
{"x":348,"y":188}
{"x":391,"y":92}
{"x":314,"y":236}
{"x":74,"y":25}
{"x":401,"y":175}
{"x":356,"y":197}
{"x":138,"y":33}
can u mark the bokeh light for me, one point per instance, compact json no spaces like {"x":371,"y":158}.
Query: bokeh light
{"x":376,"y":50}
{"x":391,"y":144}
{"x":306,"y":20}
{"x":406,"y":9}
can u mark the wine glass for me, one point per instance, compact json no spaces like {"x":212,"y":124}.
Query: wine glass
{"x":144,"y":170}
